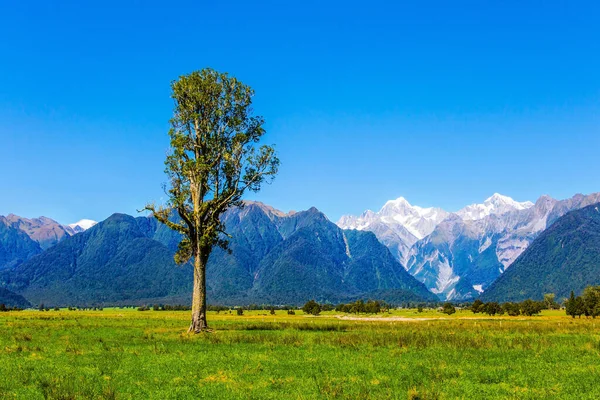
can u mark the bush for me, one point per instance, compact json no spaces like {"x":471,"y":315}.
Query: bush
{"x":240,"y":311}
{"x":448,"y":308}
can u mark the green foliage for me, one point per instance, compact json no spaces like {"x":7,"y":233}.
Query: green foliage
{"x":448,"y":308}
{"x":477,"y":306}
{"x":550,"y":302}
{"x":214,"y":158}
{"x":359,"y":306}
{"x":575,"y":306}
{"x":492,"y":308}
{"x":239,"y":311}
{"x":591,"y":301}
{"x":512,"y":309}
{"x":311,"y":307}
{"x":530,"y":307}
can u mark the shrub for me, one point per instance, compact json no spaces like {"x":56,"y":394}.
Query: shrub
{"x":448,"y":308}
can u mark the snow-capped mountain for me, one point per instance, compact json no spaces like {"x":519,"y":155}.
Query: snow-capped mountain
{"x":398,"y":225}
{"x":466,"y":251}
{"x":497,"y":204}
{"x":81,"y":225}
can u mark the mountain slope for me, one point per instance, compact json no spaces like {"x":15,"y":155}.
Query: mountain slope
{"x":11,"y":299}
{"x":112,"y":263}
{"x":466,"y":251}
{"x":16,"y":246}
{"x":42,"y":230}
{"x":463,"y":257}
{"x":565,"y":257}
{"x":275,"y":257}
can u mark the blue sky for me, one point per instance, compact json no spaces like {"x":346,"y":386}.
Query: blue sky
{"x":443,"y":103}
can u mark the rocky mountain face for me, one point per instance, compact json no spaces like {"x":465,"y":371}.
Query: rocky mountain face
{"x":275,"y":258}
{"x":16,"y":246}
{"x":22,"y":238}
{"x":398,"y":224}
{"x":45,"y":231}
{"x":564,"y":257}
{"x":469,"y":249}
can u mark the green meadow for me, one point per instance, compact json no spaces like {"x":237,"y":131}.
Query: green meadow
{"x":128,"y":354}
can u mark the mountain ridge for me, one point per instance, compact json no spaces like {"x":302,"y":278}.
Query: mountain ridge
{"x":276,"y":257}
{"x":464,"y":254}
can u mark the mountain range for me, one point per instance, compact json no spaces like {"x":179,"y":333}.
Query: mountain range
{"x":564,"y":257}
{"x":275,"y":258}
{"x":21,"y":238}
{"x":498,"y":250}
{"x":460,"y":254}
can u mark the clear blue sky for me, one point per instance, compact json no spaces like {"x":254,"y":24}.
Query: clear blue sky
{"x":443,"y":103}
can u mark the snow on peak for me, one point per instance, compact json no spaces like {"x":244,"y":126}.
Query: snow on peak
{"x":497,"y":204}
{"x":83,"y":225}
{"x":400,"y":216}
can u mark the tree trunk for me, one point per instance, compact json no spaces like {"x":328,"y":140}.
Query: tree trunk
{"x":199,"y":323}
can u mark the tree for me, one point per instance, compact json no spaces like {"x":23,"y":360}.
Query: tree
{"x":311,"y":307}
{"x":591,"y":301}
{"x":448,"y":308}
{"x":492,"y":308}
{"x":530,"y":307}
{"x":372,"y":307}
{"x":512,"y":309}
{"x":570,"y":305}
{"x":477,"y":306}
{"x":575,"y":306}
{"x":214,"y":158}
{"x":549,"y":301}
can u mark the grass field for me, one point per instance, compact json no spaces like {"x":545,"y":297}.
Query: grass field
{"x":123,"y":354}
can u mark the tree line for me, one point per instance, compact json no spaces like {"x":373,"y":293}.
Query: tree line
{"x":587,"y":304}
{"x":358,"y":307}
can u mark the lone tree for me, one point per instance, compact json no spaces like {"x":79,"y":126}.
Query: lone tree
{"x":214,"y":158}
